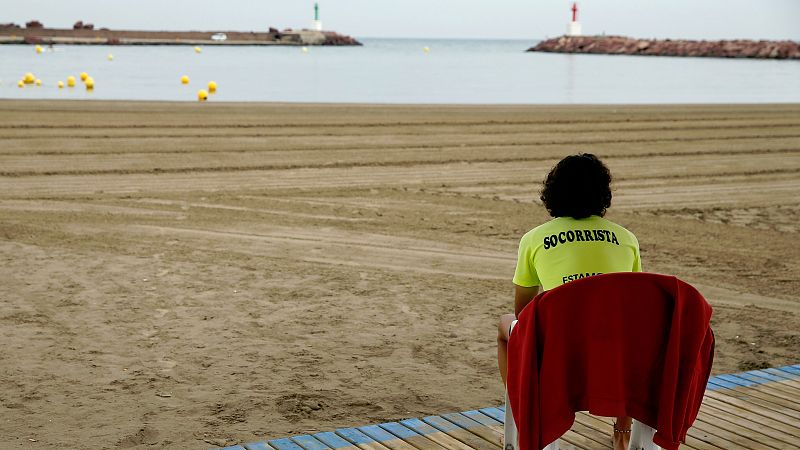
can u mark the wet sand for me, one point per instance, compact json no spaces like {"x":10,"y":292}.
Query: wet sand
{"x":188,"y":275}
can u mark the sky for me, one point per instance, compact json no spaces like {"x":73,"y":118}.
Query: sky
{"x":482,"y":19}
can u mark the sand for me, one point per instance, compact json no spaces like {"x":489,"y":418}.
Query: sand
{"x":189,"y":275}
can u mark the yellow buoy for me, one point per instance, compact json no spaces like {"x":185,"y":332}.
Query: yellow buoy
{"x":110,"y":57}
{"x":184,"y":80}
{"x":305,"y":49}
{"x":39,"y":49}
{"x":202,"y":95}
{"x":212,"y":87}
{"x":71,"y":81}
{"x":29,"y":78}
{"x":198,"y":49}
{"x":61,"y":85}
{"x":21,"y":83}
{"x":38,"y":82}
{"x":426,"y":49}
{"x":89,"y":83}
{"x":84,"y":76}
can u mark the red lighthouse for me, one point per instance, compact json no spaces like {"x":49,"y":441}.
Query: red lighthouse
{"x":574,"y":27}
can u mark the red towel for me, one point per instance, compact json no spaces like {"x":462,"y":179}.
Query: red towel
{"x":621,"y":344}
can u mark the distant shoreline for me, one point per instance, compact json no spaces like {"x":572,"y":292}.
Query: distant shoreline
{"x":13,"y":34}
{"x":620,"y":45}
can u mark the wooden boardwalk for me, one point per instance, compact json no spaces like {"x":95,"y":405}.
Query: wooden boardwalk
{"x":754,"y":410}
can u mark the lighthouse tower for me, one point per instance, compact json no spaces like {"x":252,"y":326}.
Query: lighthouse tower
{"x":574,"y":27}
{"x":317,"y":22}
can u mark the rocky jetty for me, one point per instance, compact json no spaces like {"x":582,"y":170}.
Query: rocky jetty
{"x":86,"y":34}
{"x":620,"y":45}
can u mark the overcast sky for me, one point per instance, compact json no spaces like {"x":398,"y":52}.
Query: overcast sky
{"x":523,"y":19}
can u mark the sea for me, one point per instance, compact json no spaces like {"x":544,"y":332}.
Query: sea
{"x":394,"y":71}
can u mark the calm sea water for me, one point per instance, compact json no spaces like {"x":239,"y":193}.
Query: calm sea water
{"x":397,"y":71}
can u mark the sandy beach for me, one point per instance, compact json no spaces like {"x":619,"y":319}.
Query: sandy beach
{"x":190,"y":275}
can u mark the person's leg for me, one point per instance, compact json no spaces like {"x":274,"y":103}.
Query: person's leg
{"x":622,"y":433}
{"x":502,"y":344}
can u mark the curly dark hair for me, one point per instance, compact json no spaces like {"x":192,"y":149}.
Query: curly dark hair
{"x":578,"y":186}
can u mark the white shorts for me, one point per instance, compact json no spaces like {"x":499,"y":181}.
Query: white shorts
{"x":511,"y":327}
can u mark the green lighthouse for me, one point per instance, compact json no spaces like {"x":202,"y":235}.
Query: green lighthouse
{"x":317,"y":22}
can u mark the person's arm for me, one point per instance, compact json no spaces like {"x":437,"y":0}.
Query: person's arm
{"x":523,"y":296}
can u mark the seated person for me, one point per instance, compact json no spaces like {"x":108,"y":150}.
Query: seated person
{"x":578,"y":242}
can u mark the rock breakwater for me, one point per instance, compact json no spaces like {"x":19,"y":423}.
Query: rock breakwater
{"x":620,"y":45}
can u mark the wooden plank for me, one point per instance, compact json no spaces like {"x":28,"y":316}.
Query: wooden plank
{"x":772,"y":374}
{"x":412,"y":437}
{"x":768,"y":434}
{"x":604,"y":425}
{"x":440,"y":437}
{"x":257,"y":446}
{"x":460,"y":434}
{"x":772,"y":382}
{"x":602,"y":440}
{"x":577,"y":440}
{"x":787,"y":407}
{"x":794,"y":373}
{"x":779,"y":373}
{"x":334,"y":441}
{"x":718,"y":384}
{"x":720,"y":429}
{"x":790,"y":369}
{"x":756,"y":404}
{"x":760,"y":387}
{"x":485,"y":420}
{"x":474,"y":427}
{"x":787,"y":401}
{"x":359,"y":439}
{"x":309,"y":442}
{"x":703,"y":438}
{"x":385,"y":438}
{"x":283,"y":444}
{"x":754,"y":434}
{"x":779,"y":378}
{"x":499,"y":415}
{"x":233,"y":447}
{"x":754,"y":414}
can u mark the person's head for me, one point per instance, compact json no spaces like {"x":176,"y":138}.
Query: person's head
{"x":578,"y":186}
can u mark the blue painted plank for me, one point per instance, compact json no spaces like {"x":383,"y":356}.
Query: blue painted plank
{"x":284,"y":444}
{"x":377,"y":433}
{"x":355,"y":436}
{"x":717,"y":384}
{"x":790,"y":369}
{"x":783,"y":376}
{"x":461,"y":420}
{"x":309,"y":442}
{"x":440,"y":424}
{"x":332,"y":440}
{"x":398,"y":430}
{"x":757,"y":377}
{"x":495,"y":413}
{"x":234,"y":447}
{"x":474,"y":427}
{"x":419,"y":426}
{"x":470,"y":439}
{"x":793,"y":373}
{"x":733,"y":379}
{"x":481,"y":418}
{"x":257,"y":446}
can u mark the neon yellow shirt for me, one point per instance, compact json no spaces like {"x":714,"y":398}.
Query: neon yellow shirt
{"x":566,"y":249}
